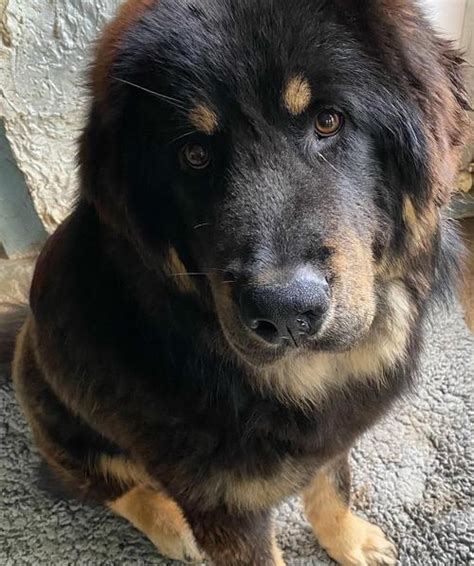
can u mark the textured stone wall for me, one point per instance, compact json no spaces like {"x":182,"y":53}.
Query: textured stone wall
{"x":45,"y":47}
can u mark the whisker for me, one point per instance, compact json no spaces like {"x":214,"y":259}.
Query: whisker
{"x":197,"y":273}
{"x":201,"y":225}
{"x":217,"y":269}
{"x":164,"y":97}
{"x":182,"y":136}
{"x":186,"y":274}
{"x":331,"y":165}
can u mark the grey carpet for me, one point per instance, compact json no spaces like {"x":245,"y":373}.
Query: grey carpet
{"x":413,"y":476}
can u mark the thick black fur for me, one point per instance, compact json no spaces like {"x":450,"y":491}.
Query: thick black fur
{"x":145,"y":366}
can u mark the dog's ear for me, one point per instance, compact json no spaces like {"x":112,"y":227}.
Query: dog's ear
{"x":99,"y":156}
{"x":431,"y":72}
{"x":425,"y":101}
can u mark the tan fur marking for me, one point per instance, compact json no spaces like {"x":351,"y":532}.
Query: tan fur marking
{"x":204,"y":119}
{"x":310,"y":378}
{"x":125,"y":471}
{"x":420,"y":226}
{"x":20,"y":347}
{"x":161,"y":520}
{"x":409,"y":214}
{"x":297,"y":95}
{"x":178,"y":271}
{"x":252,"y":494}
{"x":390,"y":268}
{"x":241,"y":493}
{"x":353,"y":306}
{"x":277,"y":554}
{"x":350,"y":540}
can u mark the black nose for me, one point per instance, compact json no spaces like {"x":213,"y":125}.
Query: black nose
{"x":287,"y":311}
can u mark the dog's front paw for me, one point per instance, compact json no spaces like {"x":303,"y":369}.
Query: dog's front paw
{"x":177,"y":546}
{"x":360,"y":543}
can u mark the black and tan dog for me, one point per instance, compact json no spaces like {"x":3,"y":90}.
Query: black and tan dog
{"x":240,"y":290}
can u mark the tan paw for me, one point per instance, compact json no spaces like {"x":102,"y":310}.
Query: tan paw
{"x":362,"y":544}
{"x":160,"y":518}
{"x":181,"y":547}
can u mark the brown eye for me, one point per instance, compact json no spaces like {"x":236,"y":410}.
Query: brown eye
{"x":196,"y":156}
{"x":328,"y":123}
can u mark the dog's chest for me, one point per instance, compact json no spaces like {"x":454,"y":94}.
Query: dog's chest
{"x":269,"y":458}
{"x":260,"y":491}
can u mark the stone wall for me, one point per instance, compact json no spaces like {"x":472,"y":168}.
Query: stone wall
{"x":45,"y":46}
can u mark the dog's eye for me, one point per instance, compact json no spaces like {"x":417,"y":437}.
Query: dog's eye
{"x":328,"y":123}
{"x":196,"y":156}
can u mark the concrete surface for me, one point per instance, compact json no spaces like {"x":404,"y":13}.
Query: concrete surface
{"x":21,"y":230}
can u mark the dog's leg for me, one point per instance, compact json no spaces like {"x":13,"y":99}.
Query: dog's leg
{"x":231,"y":539}
{"x":161,"y":520}
{"x":348,"y":539}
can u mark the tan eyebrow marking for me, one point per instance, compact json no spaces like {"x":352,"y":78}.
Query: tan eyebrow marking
{"x":203,"y":118}
{"x":297,"y":95}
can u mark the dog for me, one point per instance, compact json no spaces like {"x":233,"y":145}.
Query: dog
{"x":240,"y":290}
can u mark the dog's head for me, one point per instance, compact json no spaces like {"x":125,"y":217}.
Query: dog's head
{"x":295,"y":152}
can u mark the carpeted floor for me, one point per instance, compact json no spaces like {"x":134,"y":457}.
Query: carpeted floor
{"x":413,"y":475}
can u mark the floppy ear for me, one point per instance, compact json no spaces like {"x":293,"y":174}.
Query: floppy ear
{"x":99,"y":157}
{"x":432,"y":71}
{"x":424,"y":102}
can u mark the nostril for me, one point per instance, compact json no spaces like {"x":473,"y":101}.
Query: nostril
{"x":266,"y":330}
{"x":307,"y":323}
